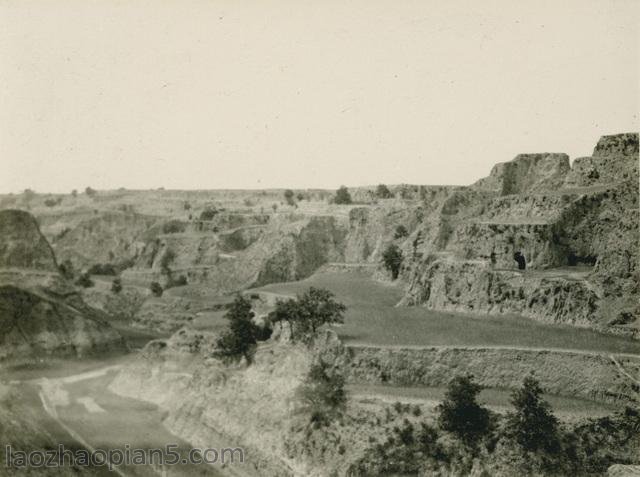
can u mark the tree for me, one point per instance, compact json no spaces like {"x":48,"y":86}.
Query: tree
{"x":240,"y":339}
{"x":156,"y":289}
{"x":401,"y":232}
{"x":90,"y":192}
{"x":308,"y":312}
{"x":460,"y":414}
{"x":116,"y":285}
{"x":342,"y":196}
{"x":532,"y":425}
{"x":84,"y":280}
{"x":392,"y":259}
{"x":288,"y":197}
{"x":74,"y":193}
{"x":322,"y":393}
{"x":208,"y":213}
{"x":383,"y":192}
{"x":66,"y":269}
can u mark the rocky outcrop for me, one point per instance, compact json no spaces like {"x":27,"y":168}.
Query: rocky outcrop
{"x":476,"y":287}
{"x":461,"y":257}
{"x":21,"y":243}
{"x":108,"y":237}
{"x":527,"y":173}
{"x":40,"y":313}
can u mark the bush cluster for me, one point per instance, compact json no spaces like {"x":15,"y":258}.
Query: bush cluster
{"x":308,"y":312}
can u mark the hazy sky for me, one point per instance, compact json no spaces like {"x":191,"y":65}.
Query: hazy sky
{"x":291,"y":93}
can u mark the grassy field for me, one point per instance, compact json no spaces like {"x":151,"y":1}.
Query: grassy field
{"x":372,"y":318}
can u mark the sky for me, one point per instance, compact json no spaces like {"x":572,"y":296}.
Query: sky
{"x":195,"y":94}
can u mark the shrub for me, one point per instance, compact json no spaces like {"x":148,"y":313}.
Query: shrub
{"x":401,"y":231}
{"x":66,"y":269}
{"x":74,"y":193}
{"x":102,"y":269}
{"x":460,"y":414}
{"x":51,"y":202}
{"x":308,"y":312}
{"x":177,"y":282}
{"x":392,"y":260}
{"x":322,"y":393}
{"x":156,"y":289}
{"x":173,"y":227}
{"x":116,"y":285}
{"x":166,"y":260}
{"x":342,"y":196}
{"x":288,"y":197}
{"x":90,"y":192}
{"x":208,"y":213}
{"x":84,"y":280}
{"x":532,"y":425}
{"x":186,"y":205}
{"x":383,"y":192}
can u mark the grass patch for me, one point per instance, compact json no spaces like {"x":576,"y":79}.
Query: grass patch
{"x":372,"y":318}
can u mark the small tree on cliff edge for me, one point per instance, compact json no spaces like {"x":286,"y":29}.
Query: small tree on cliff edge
{"x":240,"y":339}
{"x":342,"y":196}
{"x":309,"y":311}
{"x":460,"y":414}
{"x":392,"y":259}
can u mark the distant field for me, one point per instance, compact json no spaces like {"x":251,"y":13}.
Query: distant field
{"x":372,"y":318}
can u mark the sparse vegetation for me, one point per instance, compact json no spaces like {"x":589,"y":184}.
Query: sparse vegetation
{"x":400,"y":232}
{"x":322,"y":393}
{"x":180,"y":281}
{"x":392,"y":260}
{"x":383,"y":192}
{"x":67,"y":270}
{"x":84,"y":280}
{"x":289,"y":197}
{"x":53,"y":202}
{"x":308,"y":312}
{"x":102,"y":269}
{"x":156,"y":289}
{"x":116,"y":285}
{"x":342,"y":196}
{"x":173,"y":227}
{"x":209,"y":213}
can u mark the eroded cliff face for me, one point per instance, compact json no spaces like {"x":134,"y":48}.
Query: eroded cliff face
{"x":255,"y":407}
{"x":40,"y":312}
{"x":21,"y":243}
{"x":577,"y":230}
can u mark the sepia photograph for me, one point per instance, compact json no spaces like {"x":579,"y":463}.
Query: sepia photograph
{"x":319,"y":238}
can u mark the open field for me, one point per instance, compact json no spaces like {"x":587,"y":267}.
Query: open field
{"x":372,"y":318}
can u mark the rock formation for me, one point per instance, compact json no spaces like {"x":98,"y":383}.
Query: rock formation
{"x":40,"y":312}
